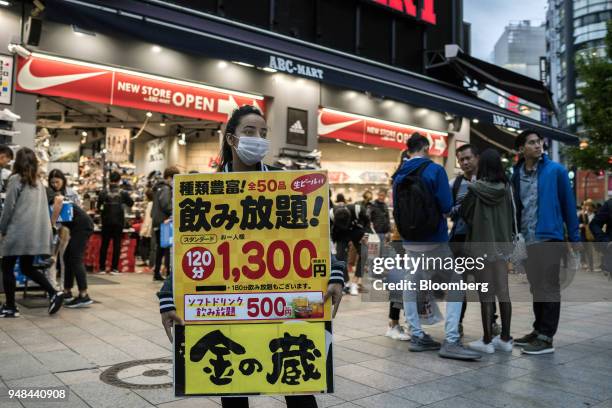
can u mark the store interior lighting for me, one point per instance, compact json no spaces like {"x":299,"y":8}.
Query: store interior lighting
{"x":4,"y":3}
{"x":358,"y":146}
{"x":475,"y":120}
{"x":156,"y":49}
{"x":268,"y":69}
{"x":244,"y":64}
{"x":79,"y":31}
{"x":222,"y":65}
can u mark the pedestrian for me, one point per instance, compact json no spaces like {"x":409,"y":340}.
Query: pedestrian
{"x":25,"y":231}
{"x":161,"y":212}
{"x":601,"y":226}
{"x":586,"y":235}
{"x":487,"y":210}
{"x":244,"y":147}
{"x":467,"y":156}
{"x":349,"y":223}
{"x":146,"y":232}
{"x":111,"y":204}
{"x":6,"y":156}
{"x":81,"y":227}
{"x":421,"y":197}
{"x":545,"y":203}
{"x":381,"y":224}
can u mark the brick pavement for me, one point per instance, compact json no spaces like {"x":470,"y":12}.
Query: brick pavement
{"x":75,"y":346}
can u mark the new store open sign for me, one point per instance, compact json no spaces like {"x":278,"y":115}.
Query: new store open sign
{"x":360,"y":129}
{"x":113,"y":86}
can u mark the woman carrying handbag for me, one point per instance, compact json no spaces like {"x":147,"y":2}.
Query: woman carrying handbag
{"x":25,"y":229}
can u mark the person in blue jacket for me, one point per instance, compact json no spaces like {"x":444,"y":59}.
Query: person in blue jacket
{"x":545,"y":205}
{"x":434,"y":245}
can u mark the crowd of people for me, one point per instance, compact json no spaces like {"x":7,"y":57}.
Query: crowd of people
{"x":494,"y":212}
{"x":53,"y":213}
{"x":517,"y":217}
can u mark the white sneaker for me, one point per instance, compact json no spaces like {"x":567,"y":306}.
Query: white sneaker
{"x":480,"y":346}
{"x":392,"y":330}
{"x":354,"y":289}
{"x":501,"y":345}
{"x":397,"y":332}
{"x":115,"y":272}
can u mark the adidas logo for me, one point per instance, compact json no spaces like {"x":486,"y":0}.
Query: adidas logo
{"x":297,"y":128}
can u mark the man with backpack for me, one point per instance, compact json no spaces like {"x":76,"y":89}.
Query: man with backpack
{"x":421,"y":200}
{"x":111,"y":204}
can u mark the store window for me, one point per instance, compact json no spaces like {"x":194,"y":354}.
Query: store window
{"x":570,"y":114}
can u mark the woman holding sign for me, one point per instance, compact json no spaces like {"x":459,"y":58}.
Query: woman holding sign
{"x":244,"y":147}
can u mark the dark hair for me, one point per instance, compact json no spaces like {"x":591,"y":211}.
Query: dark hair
{"x":466,"y":146}
{"x":340,"y":198}
{"x":57,"y":173}
{"x":115,"y":177}
{"x":232,"y":125}
{"x":490,"y":167}
{"x":26,"y":165}
{"x":149,"y":194}
{"x":416,"y":142}
{"x":7,"y":151}
{"x":171,"y":171}
{"x":521,"y":139}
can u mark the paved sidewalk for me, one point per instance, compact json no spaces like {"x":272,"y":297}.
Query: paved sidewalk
{"x":74,"y":347}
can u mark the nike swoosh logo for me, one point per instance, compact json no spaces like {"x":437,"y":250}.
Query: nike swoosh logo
{"x":327,"y":129}
{"x":31,"y":82}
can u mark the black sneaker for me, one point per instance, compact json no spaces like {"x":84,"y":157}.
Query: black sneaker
{"x":541,"y":345}
{"x":424,"y":343}
{"x":80,"y":301}
{"x":527,"y":339}
{"x":158,"y":278}
{"x":68,"y":297}
{"x":8,"y":312}
{"x":56,"y":302}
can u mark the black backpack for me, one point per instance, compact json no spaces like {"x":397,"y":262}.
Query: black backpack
{"x":343,"y":219}
{"x":112,"y":211}
{"x":415,"y":209}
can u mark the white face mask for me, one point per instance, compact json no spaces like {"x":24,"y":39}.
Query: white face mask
{"x":252,"y":150}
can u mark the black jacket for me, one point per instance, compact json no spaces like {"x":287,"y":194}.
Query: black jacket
{"x":162,"y":203}
{"x":111,"y":217}
{"x":379,"y":216}
{"x":603,"y":217}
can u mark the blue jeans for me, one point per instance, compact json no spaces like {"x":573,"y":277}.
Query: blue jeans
{"x":453,"y":308}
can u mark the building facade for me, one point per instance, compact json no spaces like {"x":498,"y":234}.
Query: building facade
{"x":573,"y":28}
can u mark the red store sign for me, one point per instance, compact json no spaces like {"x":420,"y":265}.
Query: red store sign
{"x":409,"y":7}
{"x":361,"y":129}
{"x":73,"y":79}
